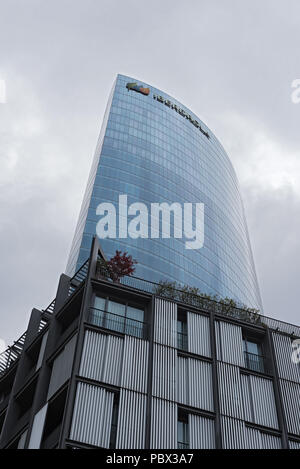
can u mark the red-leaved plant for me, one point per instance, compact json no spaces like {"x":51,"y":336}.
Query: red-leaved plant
{"x":120,"y":265}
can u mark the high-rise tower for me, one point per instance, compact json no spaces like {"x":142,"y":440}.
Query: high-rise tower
{"x":154,"y":150}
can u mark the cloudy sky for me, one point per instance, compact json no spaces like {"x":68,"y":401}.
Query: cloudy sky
{"x":231,"y":61}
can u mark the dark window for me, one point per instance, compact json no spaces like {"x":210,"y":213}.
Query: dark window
{"x":54,"y":420}
{"x":254,"y":359}
{"x":114,"y":422}
{"x":182,"y":338}
{"x":183,"y":430}
{"x":134,"y":321}
{"x":119,"y":317}
{"x":25,"y":399}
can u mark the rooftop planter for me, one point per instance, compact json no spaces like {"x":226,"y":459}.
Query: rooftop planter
{"x":194,"y":297}
{"x":121,"y":267}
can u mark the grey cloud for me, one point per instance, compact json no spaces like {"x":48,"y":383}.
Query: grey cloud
{"x":273,"y":218}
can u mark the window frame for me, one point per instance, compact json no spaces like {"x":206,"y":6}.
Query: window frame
{"x":182,"y":319}
{"x":183,"y":418}
{"x":126,"y":319}
{"x":261,"y":358}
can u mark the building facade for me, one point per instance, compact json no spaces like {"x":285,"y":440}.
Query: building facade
{"x":153,"y":149}
{"x":126,"y":365}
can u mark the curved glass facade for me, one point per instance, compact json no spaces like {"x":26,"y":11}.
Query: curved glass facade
{"x":153,"y":152}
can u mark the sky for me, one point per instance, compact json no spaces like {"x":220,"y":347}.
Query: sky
{"x":231,"y":62}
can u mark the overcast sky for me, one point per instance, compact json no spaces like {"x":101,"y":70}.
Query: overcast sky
{"x":230,"y":61}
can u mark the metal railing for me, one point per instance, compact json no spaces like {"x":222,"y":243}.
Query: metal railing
{"x":75,"y":282}
{"x":50,"y":308}
{"x":182,"y":341}
{"x":255,"y":362}
{"x":11,"y":354}
{"x":78,"y":278}
{"x":203,"y":303}
{"x":115,"y":322}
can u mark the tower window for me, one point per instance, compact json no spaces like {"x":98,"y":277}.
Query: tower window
{"x":183,"y":430}
{"x":254,"y":359}
{"x":114,"y":423}
{"x":117,"y":316}
{"x":182,"y":337}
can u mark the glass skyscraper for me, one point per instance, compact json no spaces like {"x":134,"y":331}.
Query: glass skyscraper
{"x":153,"y":149}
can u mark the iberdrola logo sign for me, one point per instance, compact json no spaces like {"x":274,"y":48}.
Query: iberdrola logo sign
{"x":139,"y":89}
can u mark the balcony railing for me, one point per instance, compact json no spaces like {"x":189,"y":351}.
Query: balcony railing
{"x":75,"y":282}
{"x":204,"y":303}
{"x":78,"y":278}
{"x":182,"y":341}
{"x":255,"y":362}
{"x":115,"y":322}
{"x":11,"y":354}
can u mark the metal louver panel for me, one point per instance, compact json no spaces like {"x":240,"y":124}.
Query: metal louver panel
{"x":182,"y":381}
{"x":113,"y":360}
{"x":102,"y":357}
{"x":163,"y":425}
{"x":247,"y":398}
{"x":259,"y":401}
{"x":294,"y":444}
{"x":270,"y":441}
{"x":229,"y":343}
{"x":236,"y":435}
{"x":93,"y":355}
{"x":233,"y":433}
{"x":165,"y":322}
{"x":135,"y":364}
{"x":255,"y":439}
{"x":92,"y":416}
{"x":131,"y":421}
{"x":164,"y":372}
{"x":202,"y":432}
{"x":200,"y":384}
{"x":287,"y":369}
{"x":230,"y":393}
{"x":194,"y":383}
{"x":263,"y":399}
{"x":291,"y":403}
{"x":198,"y":334}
